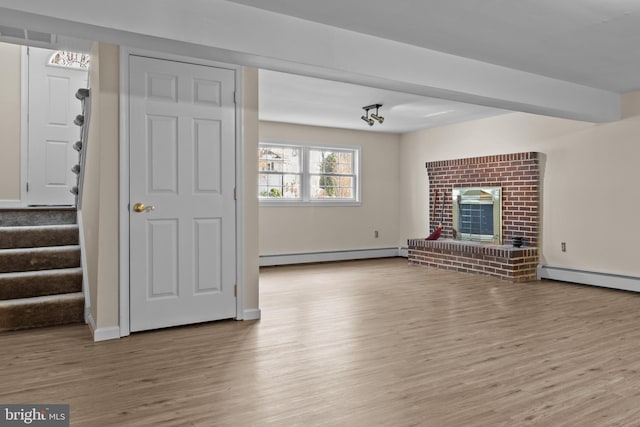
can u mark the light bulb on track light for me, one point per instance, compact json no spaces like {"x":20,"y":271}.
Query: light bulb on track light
{"x":367,"y":120}
{"x":380,"y":119}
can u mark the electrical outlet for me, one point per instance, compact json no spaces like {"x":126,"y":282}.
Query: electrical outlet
{"x":563,"y":246}
{"x":376,"y":234}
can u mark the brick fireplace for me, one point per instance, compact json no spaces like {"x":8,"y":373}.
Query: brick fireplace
{"x":518,"y":175}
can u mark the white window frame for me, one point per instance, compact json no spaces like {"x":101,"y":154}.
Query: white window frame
{"x":305,"y":184}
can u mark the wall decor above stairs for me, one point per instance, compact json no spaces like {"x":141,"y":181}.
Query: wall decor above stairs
{"x":40,"y":273}
{"x":81,"y":146}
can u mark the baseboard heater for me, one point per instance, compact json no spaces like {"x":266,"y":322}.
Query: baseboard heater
{"x":605,"y":280}
{"x":304,"y":258}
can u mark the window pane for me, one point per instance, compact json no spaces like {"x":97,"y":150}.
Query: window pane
{"x":274,"y":180}
{"x":345,"y":187}
{"x":345,"y":163}
{"x":315,"y":161}
{"x":279,"y":159}
{"x":330,"y":161}
{"x":279,"y":186}
{"x":292,"y":160}
{"x":331,"y":187}
{"x":292,"y":187}
{"x":316,"y":191}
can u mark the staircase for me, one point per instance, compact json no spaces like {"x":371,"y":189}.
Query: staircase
{"x":40,"y":274}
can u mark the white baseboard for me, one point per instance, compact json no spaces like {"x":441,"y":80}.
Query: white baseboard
{"x":10,"y":204}
{"x":101,"y":334}
{"x":83,"y":264}
{"x":88,"y":319}
{"x":605,"y":280}
{"x":271,"y":260}
{"x":251,"y":314}
{"x":104,"y":334}
{"x":403,"y":252}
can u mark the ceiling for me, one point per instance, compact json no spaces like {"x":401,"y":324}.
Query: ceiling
{"x":310,"y":101}
{"x":588,"y":42}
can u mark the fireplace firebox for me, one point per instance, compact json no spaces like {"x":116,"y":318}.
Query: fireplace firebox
{"x":477,"y":214}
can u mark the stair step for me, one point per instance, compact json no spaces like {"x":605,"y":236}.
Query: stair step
{"x":38,"y":236}
{"x":41,"y":311}
{"x":37,"y":216}
{"x":33,"y":259}
{"x":39,"y":283}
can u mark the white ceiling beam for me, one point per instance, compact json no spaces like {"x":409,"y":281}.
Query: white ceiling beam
{"x":230,"y":32}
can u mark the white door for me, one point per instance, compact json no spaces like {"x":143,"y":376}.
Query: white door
{"x":182,"y":169}
{"x":52,"y":133}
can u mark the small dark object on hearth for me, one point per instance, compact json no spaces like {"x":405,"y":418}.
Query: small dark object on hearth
{"x":436,"y":233}
{"x":517,"y":242}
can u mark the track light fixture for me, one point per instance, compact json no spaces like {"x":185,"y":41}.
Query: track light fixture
{"x":376,"y":115}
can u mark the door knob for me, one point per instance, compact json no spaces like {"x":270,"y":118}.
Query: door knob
{"x":140,"y":207}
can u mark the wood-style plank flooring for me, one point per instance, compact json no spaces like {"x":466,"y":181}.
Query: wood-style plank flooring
{"x":359,"y":343}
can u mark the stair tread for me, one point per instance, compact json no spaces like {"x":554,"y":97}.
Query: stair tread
{"x":41,"y":215}
{"x":41,"y":249}
{"x":73,"y":296}
{"x":38,"y":227}
{"x":39,"y":311}
{"x":38,"y":236}
{"x":41,"y":273}
{"x":41,"y":258}
{"x":27,"y":210}
{"x":8,"y":230}
{"x":25,"y":284}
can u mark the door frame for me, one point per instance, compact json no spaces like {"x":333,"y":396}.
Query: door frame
{"x":124,"y":258}
{"x":24,"y":125}
{"x":24,"y":132}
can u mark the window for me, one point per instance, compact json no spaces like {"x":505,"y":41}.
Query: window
{"x":63,"y":58}
{"x":308,"y":174}
{"x":280,"y":172}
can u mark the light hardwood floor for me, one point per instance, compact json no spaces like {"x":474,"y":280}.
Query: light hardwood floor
{"x":358,"y":343}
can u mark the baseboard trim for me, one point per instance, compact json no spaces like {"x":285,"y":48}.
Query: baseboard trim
{"x":83,"y":264}
{"x":11,"y":204}
{"x":403,"y":252}
{"x":304,"y":258}
{"x":104,"y":334}
{"x":605,"y":280}
{"x":251,"y":314}
{"x":101,"y":334}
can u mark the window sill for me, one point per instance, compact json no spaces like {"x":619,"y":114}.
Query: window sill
{"x":301,"y":204}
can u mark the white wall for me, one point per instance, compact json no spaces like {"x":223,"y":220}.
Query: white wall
{"x":249,"y":190}
{"x":590,"y":181}
{"x":10,"y":77}
{"x":302,"y":229}
{"x":100,"y":192}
